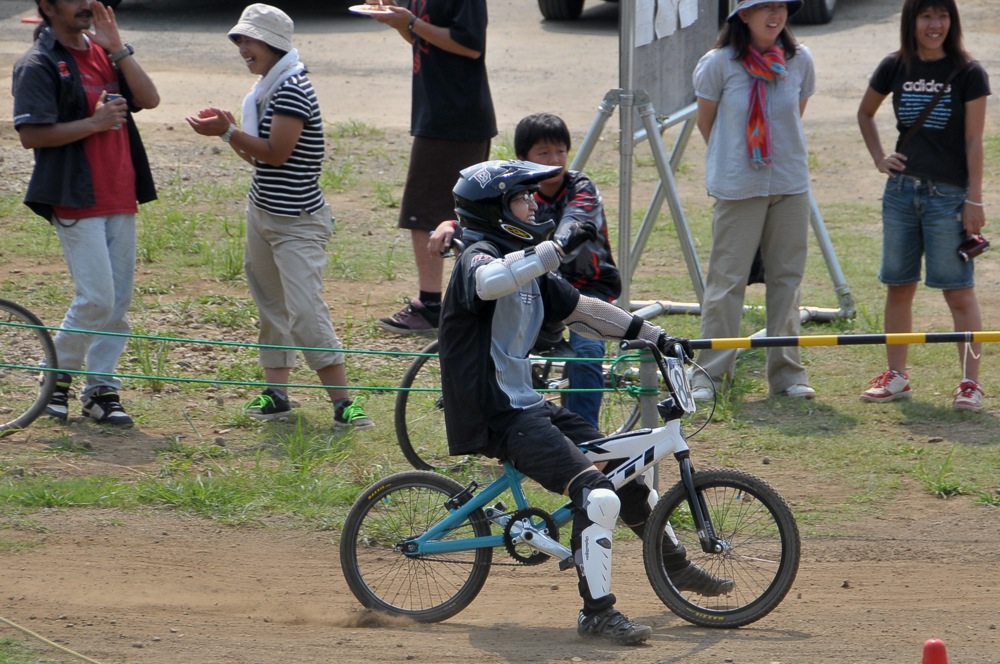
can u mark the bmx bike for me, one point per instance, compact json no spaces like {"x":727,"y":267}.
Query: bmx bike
{"x":25,"y":345}
{"x":420,"y":545}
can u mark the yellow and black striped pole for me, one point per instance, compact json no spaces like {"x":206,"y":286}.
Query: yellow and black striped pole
{"x":846,"y":340}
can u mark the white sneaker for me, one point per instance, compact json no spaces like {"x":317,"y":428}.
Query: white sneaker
{"x":800,"y":391}
{"x":888,"y":386}
{"x":968,"y":396}
{"x":703,"y":394}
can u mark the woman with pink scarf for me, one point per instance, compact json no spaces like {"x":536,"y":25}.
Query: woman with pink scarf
{"x":752,"y":89}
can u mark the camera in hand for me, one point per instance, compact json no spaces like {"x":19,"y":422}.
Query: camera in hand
{"x":972,"y":247}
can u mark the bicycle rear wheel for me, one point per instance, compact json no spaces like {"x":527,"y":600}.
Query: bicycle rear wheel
{"x":419,"y":415}
{"x":382,"y":577}
{"x":24,"y":346}
{"x":761,"y":554}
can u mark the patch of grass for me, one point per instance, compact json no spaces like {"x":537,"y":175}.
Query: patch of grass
{"x":941,"y":481}
{"x":150,"y":355}
{"x":15,"y":652}
{"x":48,"y":492}
{"x":227,"y":311}
{"x":12,"y":545}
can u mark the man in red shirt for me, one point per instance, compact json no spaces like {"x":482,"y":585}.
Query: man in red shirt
{"x":90,"y":174}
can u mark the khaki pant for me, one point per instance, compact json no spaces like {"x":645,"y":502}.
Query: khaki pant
{"x":284,"y":262}
{"x":780,"y":226}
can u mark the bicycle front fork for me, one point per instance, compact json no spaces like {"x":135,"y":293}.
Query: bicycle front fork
{"x":710,"y":541}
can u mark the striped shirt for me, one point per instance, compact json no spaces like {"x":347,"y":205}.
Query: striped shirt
{"x":289,"y":189}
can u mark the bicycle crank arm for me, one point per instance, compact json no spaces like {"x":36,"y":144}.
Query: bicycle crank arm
{"x":539,"y":541}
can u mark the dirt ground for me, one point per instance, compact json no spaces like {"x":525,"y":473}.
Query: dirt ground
{"x":156,"y":588}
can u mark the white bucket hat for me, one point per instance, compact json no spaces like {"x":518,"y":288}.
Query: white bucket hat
{"x":267,"y":24}
{"x":793,"y":6}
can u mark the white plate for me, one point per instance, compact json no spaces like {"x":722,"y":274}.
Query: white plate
{"x":369,"y":10}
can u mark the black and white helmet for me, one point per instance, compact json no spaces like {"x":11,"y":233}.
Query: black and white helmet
{"x":482,"y":200}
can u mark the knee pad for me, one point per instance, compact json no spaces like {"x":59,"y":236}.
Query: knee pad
{"x":594,"y":555}
{"x":602,"y":507}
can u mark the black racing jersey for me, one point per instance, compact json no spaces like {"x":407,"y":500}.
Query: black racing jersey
{"x":484,"y":346}
{"x":590,"y":267}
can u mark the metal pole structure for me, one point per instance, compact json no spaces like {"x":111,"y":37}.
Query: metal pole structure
{"x":626,"y":76}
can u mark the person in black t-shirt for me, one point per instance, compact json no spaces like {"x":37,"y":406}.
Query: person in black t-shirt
{"x":452,"y":122}
{"x":933,"y":198}
{"x":503,"y":288}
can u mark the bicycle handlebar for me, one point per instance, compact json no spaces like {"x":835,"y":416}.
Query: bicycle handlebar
{"x":453,"y":248}
{"x":673,"y":372}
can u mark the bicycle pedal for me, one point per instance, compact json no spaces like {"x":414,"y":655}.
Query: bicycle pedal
{"x":567,"y":563}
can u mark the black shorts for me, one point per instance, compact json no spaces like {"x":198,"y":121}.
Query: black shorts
{"x":542,"y":443}
{"x":434,"y":168}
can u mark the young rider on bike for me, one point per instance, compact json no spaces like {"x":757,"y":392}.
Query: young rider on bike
{"x":503,"y":287}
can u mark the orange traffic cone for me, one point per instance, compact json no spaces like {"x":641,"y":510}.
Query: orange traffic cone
{"x":934,"y":652}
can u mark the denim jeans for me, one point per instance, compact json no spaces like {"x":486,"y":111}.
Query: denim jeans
{"x":586,"y":375}
{"x":923,"y":218}
{"x":100,"y":254}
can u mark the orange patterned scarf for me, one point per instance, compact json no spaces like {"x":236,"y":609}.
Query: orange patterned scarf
{"x":762,"y":67}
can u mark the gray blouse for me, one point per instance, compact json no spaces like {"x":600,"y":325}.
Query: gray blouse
{"x":729,"y":174}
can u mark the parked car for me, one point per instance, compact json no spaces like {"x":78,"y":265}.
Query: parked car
{"x":812,"y":12}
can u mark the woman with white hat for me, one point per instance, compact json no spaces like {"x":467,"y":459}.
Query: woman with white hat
{"x":288,"y":221}
{"x":752,"y":89}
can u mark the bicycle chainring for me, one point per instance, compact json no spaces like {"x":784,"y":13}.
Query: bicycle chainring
{"x":520,"y":551}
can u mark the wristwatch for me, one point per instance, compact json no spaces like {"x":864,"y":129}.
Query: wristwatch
{"x":125,"y":51}
{"x":227,"y":135}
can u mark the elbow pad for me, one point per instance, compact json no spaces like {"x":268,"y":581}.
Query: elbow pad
{"x":504,"y":276}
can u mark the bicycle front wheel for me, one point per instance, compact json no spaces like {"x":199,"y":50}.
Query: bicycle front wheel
{"x":760,"y":553}
{"x":383,"y":578}
{"x":24,"y":346}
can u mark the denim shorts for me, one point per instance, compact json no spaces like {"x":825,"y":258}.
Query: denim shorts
{"x":923,"y":218}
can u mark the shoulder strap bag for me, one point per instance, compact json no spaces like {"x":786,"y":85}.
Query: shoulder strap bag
{"x":912,"y":131}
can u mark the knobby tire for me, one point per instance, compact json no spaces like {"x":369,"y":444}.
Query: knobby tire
{"x":24,"y":391}
{"x":762,"y":555}
{"x":424,"y":589}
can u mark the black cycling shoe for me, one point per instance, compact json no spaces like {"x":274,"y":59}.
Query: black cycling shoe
{"x":612,"y":625}
{"x":694,"y":579}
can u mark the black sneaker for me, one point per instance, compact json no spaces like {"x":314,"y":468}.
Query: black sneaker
{"x":58,"y":406}
{"x":694,"y":579}
{"x":269,"y":405}
{"x":106,"y":408}
{"x":613,"y":626}
{"x":350,"y":414}
{"x":414,"y":318}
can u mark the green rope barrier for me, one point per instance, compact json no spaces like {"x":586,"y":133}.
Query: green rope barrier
{"x":632,"y":389}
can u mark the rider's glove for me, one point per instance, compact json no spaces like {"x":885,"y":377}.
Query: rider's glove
{"x":572,"y":235}
{"x":666,"y":345}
